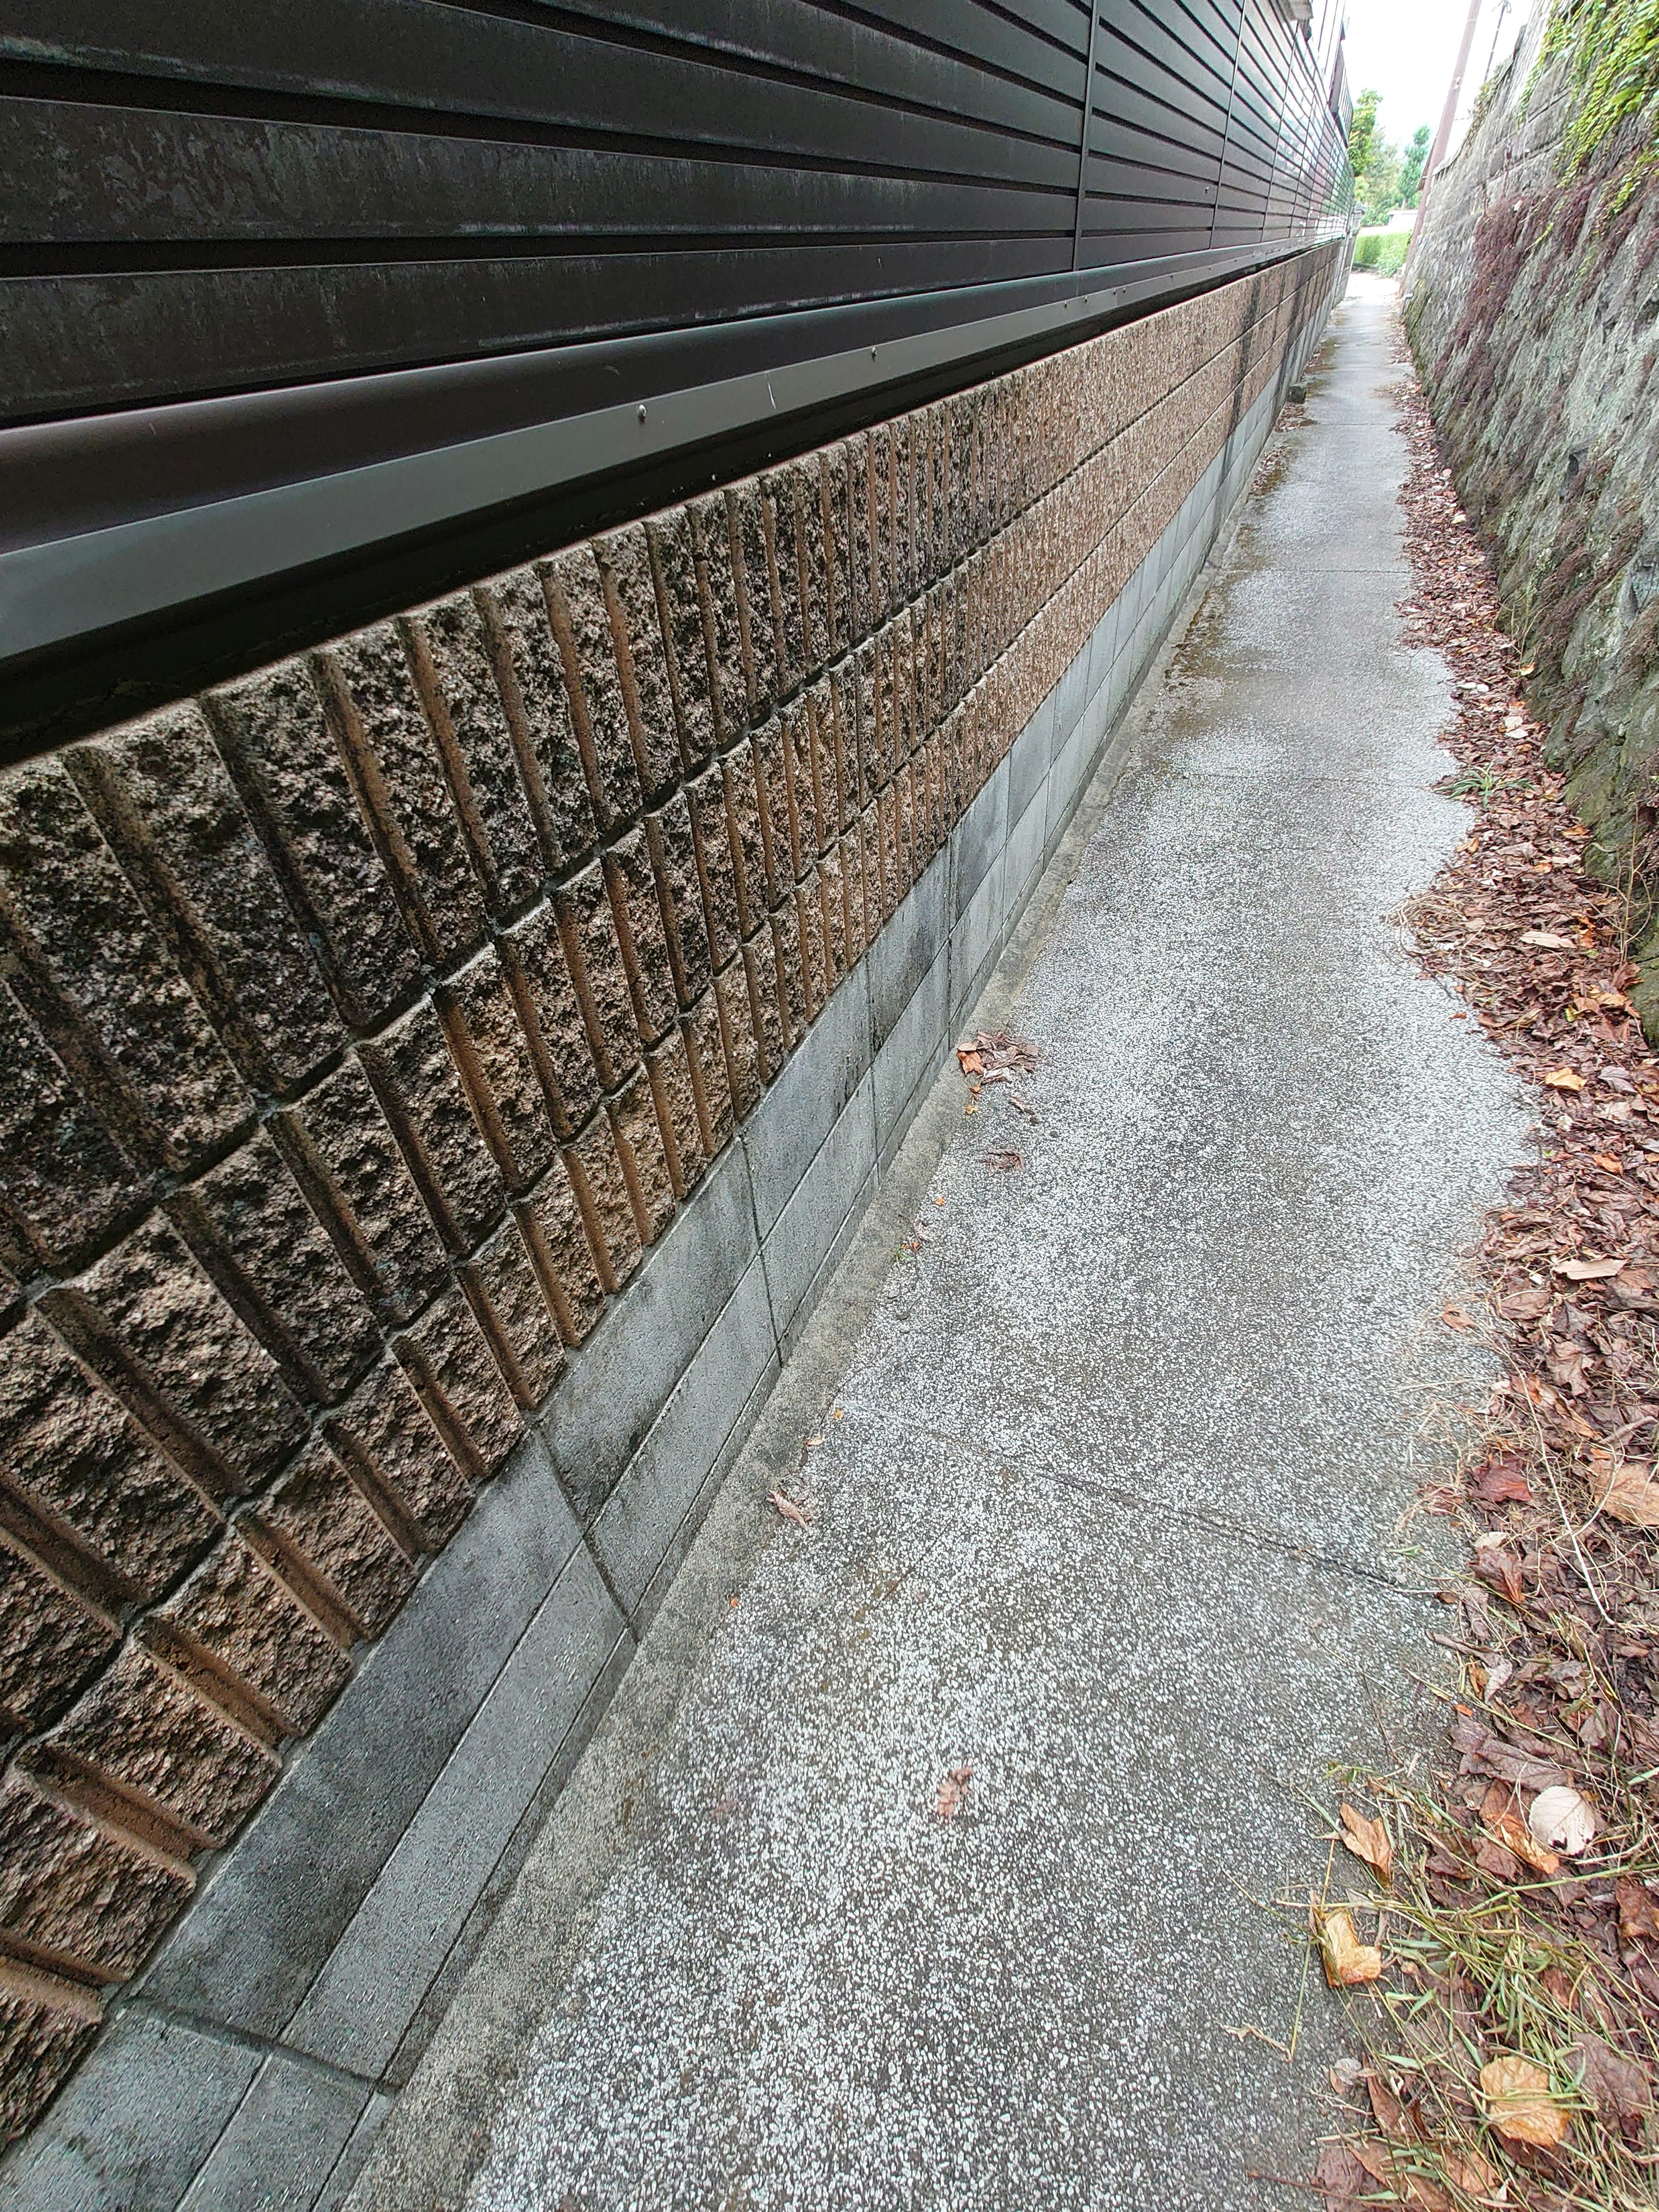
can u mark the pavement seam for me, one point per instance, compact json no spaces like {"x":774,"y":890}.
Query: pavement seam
{"x":1303,"y":1555}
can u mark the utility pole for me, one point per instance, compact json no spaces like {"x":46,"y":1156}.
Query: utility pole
{"x":1448,"y":112}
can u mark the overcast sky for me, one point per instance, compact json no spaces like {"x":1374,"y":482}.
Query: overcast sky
{"x":1406,"y":48}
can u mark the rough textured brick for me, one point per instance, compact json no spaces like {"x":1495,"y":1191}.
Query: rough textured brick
{"x":321,"y":1524}
{"x":557,"y":1240}
{"x":45,"y":2024}
{"x":607,"y":1206}
{"x":746,"y":537}
{"x":743,"y":1058}
{"x":904,"y":511}
{"x":497,"y":1069}
{"x":876,"y":908}
{"x":938,"y":461}
{"x":392,"y":756}
{"x":679,"y":604}
{"x":909,"y":729}
{"x":879,"y":451}
{"x":150,"y":1322}
{"x":859,"y":523}
{"x":780,"y":833}
{"x":632,"y":883}
{"x":422,"y":1096}
{"x":67,"y":1181}
{"x":508,"y":1305}
{"x":144,"y":1730}
{"x":97,"y":981}
{"x":73,"y":1456}
{"x":748,"y":844}
{"x":234,"y":1619}
{"x":833,"y":522}
{"x":630,"y":597}
{"x":839,"y":746}
{"x":783,"y":582}
{"x":766,"y":1006}
{"x":448,"y":1361}
{"x":77,"y":1893}
{"x":674,"y":1098}
{"x":530,"y":678}
{"x":51,"y":1638}
{"x":449,"y":653}
{"x":539,"y":978}
{"x":852,"y":876}
{"x":711,"y":1081}
{"x":643,"y":1160}
{"x":167,"y":808}
{"x":674,"y":852}
{"x":832,"y":897}
{"x":387,"y":1440}
{"x":581,"y":625}
{"x":253,"y":1233}
{"x":341,"y":1151}
{"x":293,"y":781}
{"x":716,"y":872}
{"x":864,"y":726}
{"x":792,"y":1000}
{"x":588,"y":932}
{"x":809,"y":932}
{"x":712,"y":547}
{"x":808,"y":555}
{"x":800,"y":754}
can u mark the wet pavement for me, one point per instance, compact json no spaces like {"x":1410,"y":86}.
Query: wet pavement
{"x":1117,"y":1512}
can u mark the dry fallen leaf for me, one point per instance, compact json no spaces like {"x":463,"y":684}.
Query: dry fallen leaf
{"x":952,"y":1791}
{"x":1563,"y":1078}
{"x":1639,"y":1915}
{"x":1005,"y":1160}
{"x":1519,"y":2104}
{"x":1340,"y":2178}
{"x":1616,"y":2086}
{"x":1348,"y":1960}
{"x":1500,"y":1810}
{"x":1500,"y":1569}
{"x":1368,"y":1840}
{"x":972,"y":1062}
{"x":788,"y":1508}
{"x":1562,"y":1820}
{"x":1547,"y":938}
{"x":1455,"y":1316}
{"x":1348,"y":2074}
{"x":1587,"y":1271}
{"x":1502,"y":1485}
{"x":1630,"y":1493}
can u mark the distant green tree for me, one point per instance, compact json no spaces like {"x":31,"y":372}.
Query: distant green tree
{"x":1379,"y":187}
{"x":1411,"y":169}
{"x":1361,"y":131}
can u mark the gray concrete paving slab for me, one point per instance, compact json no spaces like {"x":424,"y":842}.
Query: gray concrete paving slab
{"x":1117,"y":1514}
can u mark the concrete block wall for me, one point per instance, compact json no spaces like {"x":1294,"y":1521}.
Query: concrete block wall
{"x":444,"y":1070}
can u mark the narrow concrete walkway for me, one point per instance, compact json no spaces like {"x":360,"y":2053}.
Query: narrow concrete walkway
{"x":1117,"y":1512}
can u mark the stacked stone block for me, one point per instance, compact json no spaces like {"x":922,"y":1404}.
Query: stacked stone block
{"x":366,"y":1019}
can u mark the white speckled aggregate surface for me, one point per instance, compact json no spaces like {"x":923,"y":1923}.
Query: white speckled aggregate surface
{"x":1114,"y":1514}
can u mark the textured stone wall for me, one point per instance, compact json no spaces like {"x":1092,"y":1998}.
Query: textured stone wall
{"x":1532,"y":301}
{"x":366,"y":1019}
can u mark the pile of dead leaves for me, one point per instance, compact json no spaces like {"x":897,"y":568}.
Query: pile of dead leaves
{"x":996,"y":1056}
{"x":1511,"y":2028}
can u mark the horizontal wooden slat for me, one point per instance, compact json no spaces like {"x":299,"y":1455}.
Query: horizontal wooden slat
{"x":130,"y":175}
{"x":79,"y":342}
